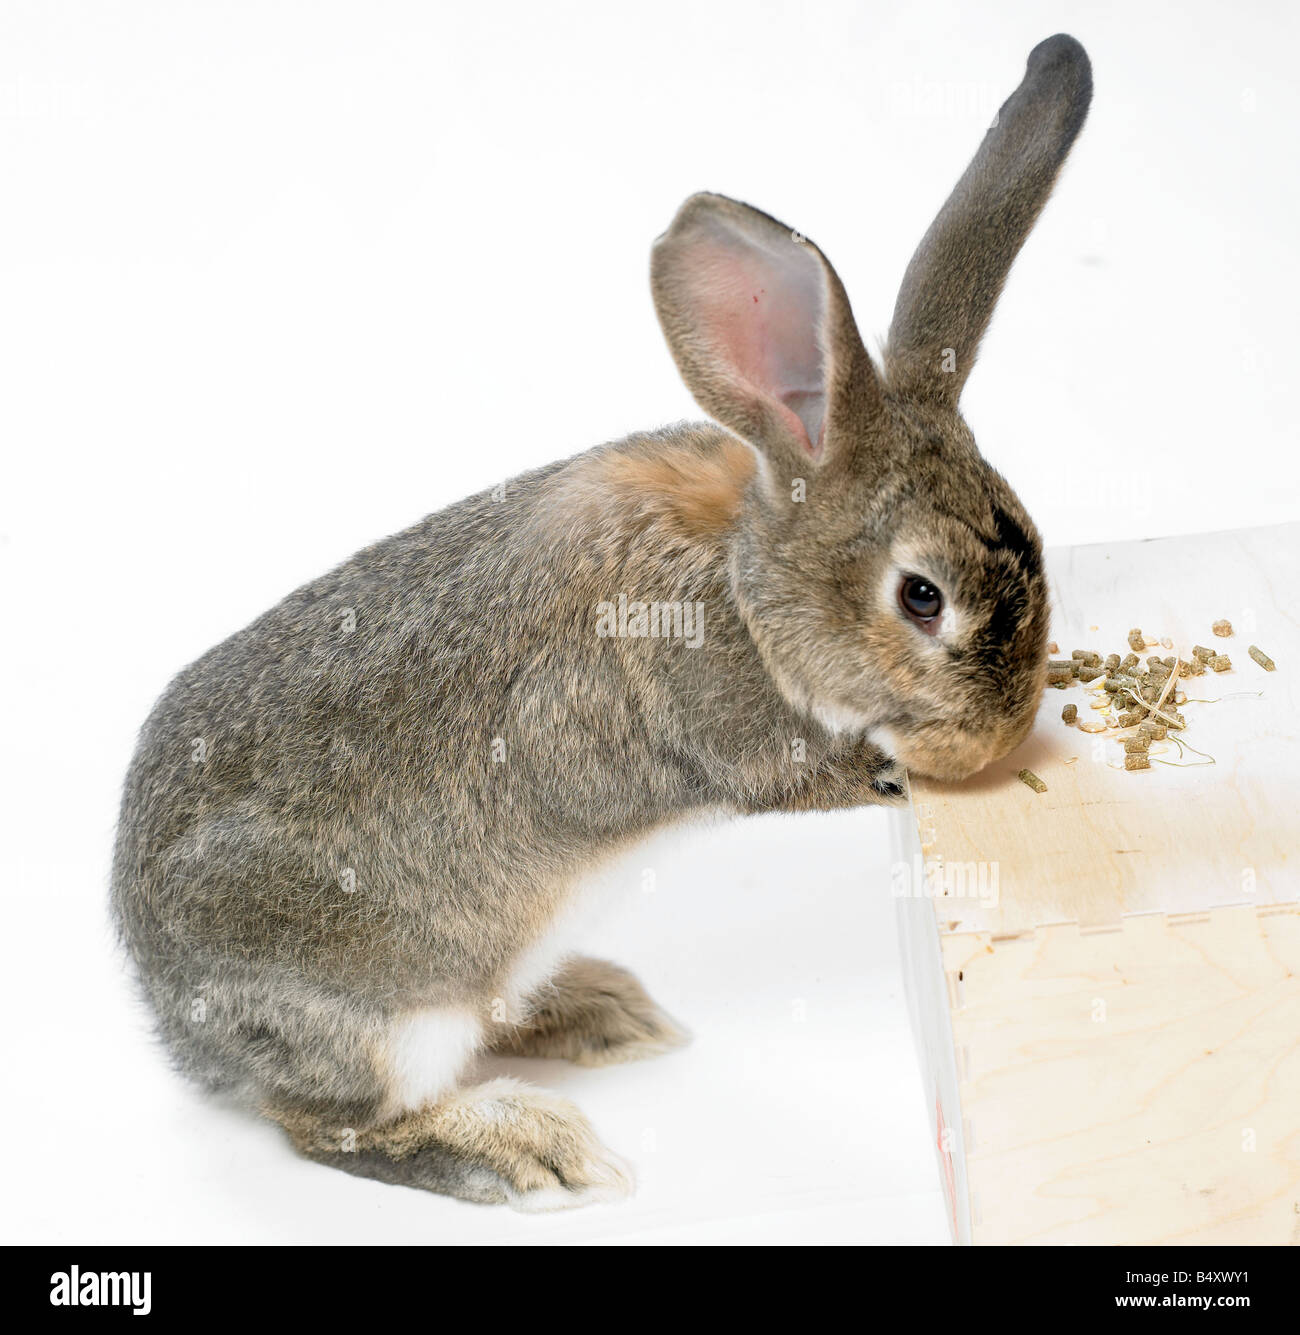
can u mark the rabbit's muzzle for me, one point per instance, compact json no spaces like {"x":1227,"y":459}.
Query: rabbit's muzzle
{"x":949,"y":752}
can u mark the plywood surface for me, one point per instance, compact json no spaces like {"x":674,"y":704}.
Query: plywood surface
{"x":1101,"y":842}
{"x":1133,"y":1085}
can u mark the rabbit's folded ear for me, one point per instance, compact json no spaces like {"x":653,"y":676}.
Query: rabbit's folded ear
{"x":761,"y":330}
{"x":955,"y":277}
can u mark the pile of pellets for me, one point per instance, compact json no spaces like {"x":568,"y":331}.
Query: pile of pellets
{"x":1137,"y":698}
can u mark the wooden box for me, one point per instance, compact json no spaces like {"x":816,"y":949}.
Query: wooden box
{"x":1104,"y":978}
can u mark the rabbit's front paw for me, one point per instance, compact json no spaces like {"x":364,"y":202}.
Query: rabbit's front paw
{"x":861,"y":775}
{"x":595,"y":1014}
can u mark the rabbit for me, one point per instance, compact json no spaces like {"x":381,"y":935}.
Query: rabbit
{"x":353,"y":835}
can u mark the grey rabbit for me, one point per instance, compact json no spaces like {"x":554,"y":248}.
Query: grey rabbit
{"x":353,"y":833}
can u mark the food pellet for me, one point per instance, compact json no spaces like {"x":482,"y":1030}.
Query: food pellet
{"x":1027,"y":776}
{"x":1087,"y":673}
{"x":1061,"y":665}
{"x":1155,"y":732}
{"x":1129,"y":661}
{"x":1062,"y":679}
{"x":1136,"y":762}
{"x":1089,"y":656}
{"x":1155,"y":662}
{"x":1111,"y":663}
{"x":1070,"y":713}
{"x":1135,"y":640}
{"x":1136,"y":746}
{"x":1199,"y":651}
{"x":1262,"y":658}
{"x":1171,"y":662}
{"x":1221,"y":662}
{"x":1222,"y":628}
{"x":1130,"y":718}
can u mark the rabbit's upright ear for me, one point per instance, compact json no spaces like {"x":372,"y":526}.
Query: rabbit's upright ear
{"x":762,"y":333}
{"x":958,"y":270}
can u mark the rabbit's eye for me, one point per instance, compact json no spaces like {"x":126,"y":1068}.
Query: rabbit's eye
{"x":921,"y":601}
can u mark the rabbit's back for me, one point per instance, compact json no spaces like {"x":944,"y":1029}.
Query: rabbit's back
{"x":386,"y":781}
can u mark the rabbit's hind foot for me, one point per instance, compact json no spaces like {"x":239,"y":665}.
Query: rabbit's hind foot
{"x":592,"y":1013}
{"x":501,"y":1143}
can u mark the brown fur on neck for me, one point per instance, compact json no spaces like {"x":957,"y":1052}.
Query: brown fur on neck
{"x":693,"y":482}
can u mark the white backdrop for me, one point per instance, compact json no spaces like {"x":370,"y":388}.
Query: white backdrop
{"x":277,"y":279}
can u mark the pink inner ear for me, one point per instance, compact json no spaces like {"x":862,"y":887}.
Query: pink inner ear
{"x":761,"y":311}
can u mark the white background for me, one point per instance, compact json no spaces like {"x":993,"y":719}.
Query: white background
{"x":277,"y":279}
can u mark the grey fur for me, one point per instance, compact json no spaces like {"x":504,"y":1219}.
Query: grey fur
{"x":956,"y":275}
{"x":327,"y":826}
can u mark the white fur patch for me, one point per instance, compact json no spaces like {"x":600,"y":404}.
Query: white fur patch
{"x":841,"y":721}
{"x":887,"y":740}
{"x":425,"y":1053}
